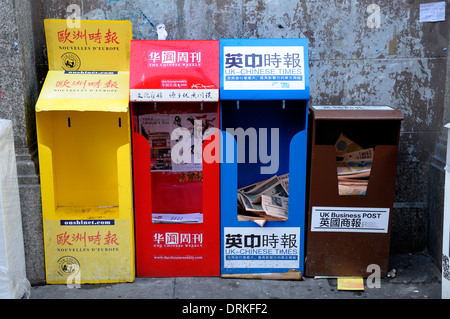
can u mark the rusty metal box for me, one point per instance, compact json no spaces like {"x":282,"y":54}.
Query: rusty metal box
{"x":348,"y":232}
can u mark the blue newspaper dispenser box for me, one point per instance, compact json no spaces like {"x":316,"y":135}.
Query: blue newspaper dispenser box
{"x":264,"y":93}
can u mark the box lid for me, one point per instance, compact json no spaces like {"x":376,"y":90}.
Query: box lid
{"x":84,"y":91}
{"x":174,"y":70}
{"x":88,"y":66}
{"x":355,"y":112}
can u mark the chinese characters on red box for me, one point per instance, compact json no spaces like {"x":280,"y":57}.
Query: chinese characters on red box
{"x":160,"y":59}
{"x":177,"y":240}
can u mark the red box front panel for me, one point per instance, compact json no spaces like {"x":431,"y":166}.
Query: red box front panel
{"x":174,"y":249}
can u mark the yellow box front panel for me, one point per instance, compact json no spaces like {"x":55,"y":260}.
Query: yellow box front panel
{"x":86,"y":178}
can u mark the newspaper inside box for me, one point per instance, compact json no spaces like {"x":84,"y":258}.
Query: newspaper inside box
{"x":264,"y":107}
{"x":84,"y":141}
{"x":349,"y":214}
{"x":174,"y":102}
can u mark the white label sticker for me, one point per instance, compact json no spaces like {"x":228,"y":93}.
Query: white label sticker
{"x":265,"y":247}
{"x":350,"y":219}
{"x":432,"y":12}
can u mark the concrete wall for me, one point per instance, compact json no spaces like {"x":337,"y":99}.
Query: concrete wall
{"x":355,"y":58}
{"x":19,"y":92}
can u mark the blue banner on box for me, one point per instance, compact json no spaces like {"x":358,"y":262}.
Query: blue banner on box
{"x":264,"y":69}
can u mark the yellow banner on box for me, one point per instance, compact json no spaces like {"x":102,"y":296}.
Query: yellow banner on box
{"x":93,"y":46}
{"x":81,"y":91}
{"x":89,"y":66}
{"x":88,"y":251}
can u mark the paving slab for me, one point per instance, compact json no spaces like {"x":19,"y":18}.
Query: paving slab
{"x":416,"y":277}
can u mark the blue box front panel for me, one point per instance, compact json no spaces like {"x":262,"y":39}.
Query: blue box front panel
{"x":264,"y":85}
{"x":279,"y":245}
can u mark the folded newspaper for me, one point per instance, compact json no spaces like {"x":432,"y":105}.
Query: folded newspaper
{"x":353,"y":166}
{"x":265,"y":200}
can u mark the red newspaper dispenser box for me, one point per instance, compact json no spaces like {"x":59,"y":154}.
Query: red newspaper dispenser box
{"x":174,"y":94}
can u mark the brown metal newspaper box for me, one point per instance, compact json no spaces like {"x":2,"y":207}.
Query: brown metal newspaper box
{"x":353,"y":162}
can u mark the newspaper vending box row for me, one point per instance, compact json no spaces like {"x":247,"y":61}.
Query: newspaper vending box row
{"x":194,"y":158}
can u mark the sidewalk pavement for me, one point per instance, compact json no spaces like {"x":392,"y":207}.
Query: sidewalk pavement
{"x":417,"y":277}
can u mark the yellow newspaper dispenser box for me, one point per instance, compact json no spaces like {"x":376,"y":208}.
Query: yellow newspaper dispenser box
{"x":84,"y":143}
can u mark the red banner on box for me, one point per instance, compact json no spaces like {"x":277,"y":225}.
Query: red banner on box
{"x":174,"y":71}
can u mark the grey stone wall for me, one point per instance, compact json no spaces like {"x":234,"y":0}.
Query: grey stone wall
{"x":399,"y":61}
{"x":18,"y":84}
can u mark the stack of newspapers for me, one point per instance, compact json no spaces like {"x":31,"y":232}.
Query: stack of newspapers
{"x":265,"y":200}
{"x":353,"y":166}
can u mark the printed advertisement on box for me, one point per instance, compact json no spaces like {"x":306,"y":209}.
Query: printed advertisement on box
{"x":270,"y":247}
